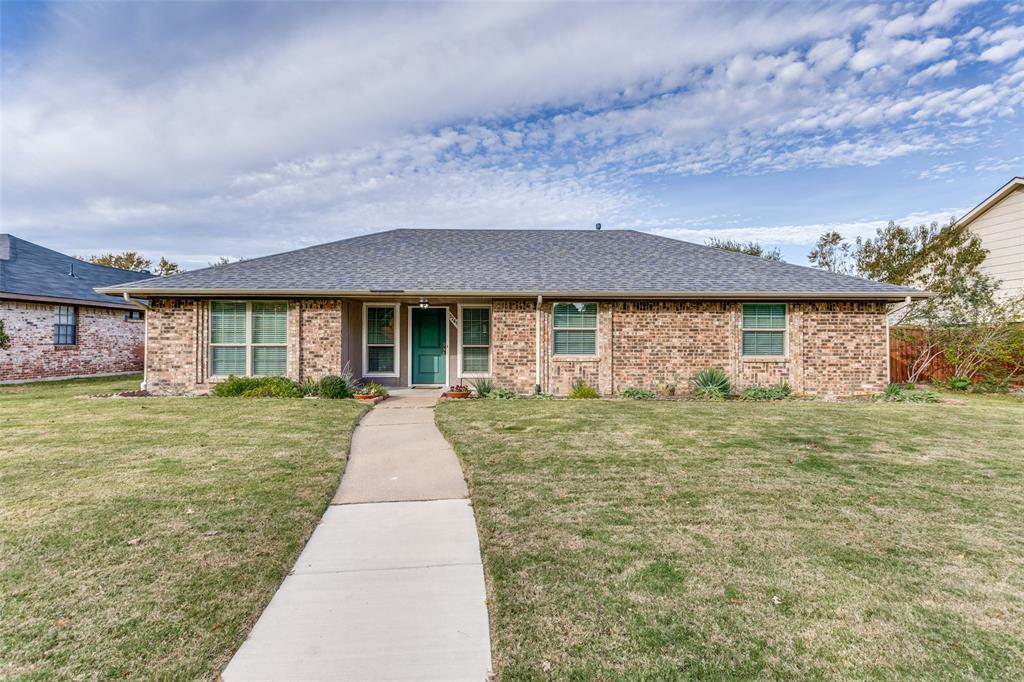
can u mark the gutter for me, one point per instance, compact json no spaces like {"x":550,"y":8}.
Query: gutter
{"x":145,"y":338}
{"x":368,"y":294}
{"x":536,"y":385}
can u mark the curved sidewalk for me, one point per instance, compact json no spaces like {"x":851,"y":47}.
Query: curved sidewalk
{"x":390,"y":585}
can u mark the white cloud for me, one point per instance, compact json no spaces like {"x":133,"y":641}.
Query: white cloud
{"x":322,"y":120}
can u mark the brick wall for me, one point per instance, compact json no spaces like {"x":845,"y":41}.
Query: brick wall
{"x":834,"y":348}
{"x":107,"y":343}
{"x":179,"y":352}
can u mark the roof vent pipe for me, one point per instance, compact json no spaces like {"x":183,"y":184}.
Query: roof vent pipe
{"x":71,"y":270}
{"x":598,"y":227}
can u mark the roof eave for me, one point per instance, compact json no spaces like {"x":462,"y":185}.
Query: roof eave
{"x":207,"y":292}
{"x":63,"y":300}
{"x":991,"y":201}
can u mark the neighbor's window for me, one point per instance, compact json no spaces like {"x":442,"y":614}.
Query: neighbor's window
{"x":476,"y":341}
{"x":380,"y":339}
{"x":65,"y":325}
{"x":575,"y":328}
{"x":248,"y":338}
{"x":133,"y":315}
{"x":764,"y":328}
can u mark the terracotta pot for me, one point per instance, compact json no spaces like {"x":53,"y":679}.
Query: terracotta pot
{"x":458,"y":395}
{"x":364,"y":396}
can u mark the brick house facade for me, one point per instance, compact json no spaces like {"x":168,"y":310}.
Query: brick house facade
{"x":106,"y":343}
{"x":831,"y":348}
{"x":530,"y":309}
{"x":59,"y":325}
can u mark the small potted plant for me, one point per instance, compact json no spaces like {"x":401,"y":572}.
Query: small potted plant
{"x":370,"y":391}
{"x":458,"y":391}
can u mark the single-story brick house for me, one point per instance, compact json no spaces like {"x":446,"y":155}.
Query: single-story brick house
{"x":59,"y":326}
{"x":532,"y":309}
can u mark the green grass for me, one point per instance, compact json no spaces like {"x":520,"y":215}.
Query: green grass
{"x":810,"y":540}
{"x":221,"y":493}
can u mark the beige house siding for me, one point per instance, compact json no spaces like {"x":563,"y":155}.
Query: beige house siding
{"x":1001,"y":229}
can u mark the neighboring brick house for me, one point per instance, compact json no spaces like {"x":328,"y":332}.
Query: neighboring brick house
{"x":532,"y":309}
{"x":59,"y":326}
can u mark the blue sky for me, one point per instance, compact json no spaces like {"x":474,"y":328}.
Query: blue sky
{"x":199,"y":130}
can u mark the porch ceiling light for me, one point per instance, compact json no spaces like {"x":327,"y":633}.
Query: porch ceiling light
{"x":424,"y":303}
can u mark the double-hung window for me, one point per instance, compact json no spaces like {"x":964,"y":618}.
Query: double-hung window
{"x":381,"y":340}
{"x":476,"y":341}
{"x":764,"y":329}
{"x":65,"y":325}
{"x":248,"y":339}
{"x":575,"y":328}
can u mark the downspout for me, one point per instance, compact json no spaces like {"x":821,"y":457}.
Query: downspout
{"x":145,"y":338}
{"x":536,"y":385}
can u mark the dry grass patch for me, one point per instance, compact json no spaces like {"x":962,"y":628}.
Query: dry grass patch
{"x":140,"y":538}
{"x":654,"y":541}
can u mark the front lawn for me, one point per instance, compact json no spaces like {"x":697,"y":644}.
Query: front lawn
{"x":140,"y":538}
{"x":655,"y":541}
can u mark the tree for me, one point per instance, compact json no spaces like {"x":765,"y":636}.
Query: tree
{"x":126,"y":260}
{"x":166,"y":267}
{"x":832,"y":253}
{"x":225,"y":260}
{"x":751,"y":248}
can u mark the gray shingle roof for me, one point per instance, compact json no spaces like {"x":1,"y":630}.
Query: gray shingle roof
{"x":519,"y":261}
{"x":27,"y":269}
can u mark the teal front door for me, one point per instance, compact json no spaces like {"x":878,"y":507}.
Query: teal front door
{"x":429,"y":345}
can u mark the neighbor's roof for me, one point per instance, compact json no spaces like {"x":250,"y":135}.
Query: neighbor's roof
{"x":992,"y":200}
{"x":521,"y":262}
{"x":32,"y":272}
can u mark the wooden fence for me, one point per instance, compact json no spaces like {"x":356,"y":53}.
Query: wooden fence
{"x":904,"y":347}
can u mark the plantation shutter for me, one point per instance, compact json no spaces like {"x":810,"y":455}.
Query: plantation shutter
{"x":764,"y":329}
{"x":227,"y":322}
{"x":269,"y":322}
{"x":476,"y":340}
{"x":575,"y":328}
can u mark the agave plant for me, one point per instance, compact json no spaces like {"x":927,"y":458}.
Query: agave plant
{"x":711,"y":384}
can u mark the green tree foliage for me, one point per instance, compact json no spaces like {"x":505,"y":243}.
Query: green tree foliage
{"x":5,"y":340}
{"x":166,"y":267}
{"x":966,"y":322}
{"x":126,"y":260}
{"x":750,"y":248}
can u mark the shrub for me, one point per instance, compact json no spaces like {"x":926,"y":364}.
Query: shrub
{"x":959,"y":383}
{"x":711,"y":384}
{"x":5,"y":339}
{"x":780,"y":391}
{"x":373,"y":389}
{"x":257,"y":387}
{"x":633,"y":393}
{"x":335,"y":387}
{"x":898,"y":393}
{"x":483,"y":386}
{"x":543,"y":396}
{"x":309,"y":387}
{"x":666,"y":390}
{"x":581,"y":390}
{"x":502,"y":394}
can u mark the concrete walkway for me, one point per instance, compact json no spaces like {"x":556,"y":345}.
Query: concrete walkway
{"x":390,"y":585}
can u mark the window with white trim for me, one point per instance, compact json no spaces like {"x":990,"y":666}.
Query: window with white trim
{"x":248,"y":338}
{"x":764,"y":329}
{"x":574,"y":327}
{"x":381,"y":345}
{"x":476,"y":341}
{"x":65,"y":325}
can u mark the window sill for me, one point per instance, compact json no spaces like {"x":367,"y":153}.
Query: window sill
{"x":765,"y":358}
{"x":474,"y":375}
{"x":65,"y":346}
{"x":575,"y":358}
{"x":378,"y":375}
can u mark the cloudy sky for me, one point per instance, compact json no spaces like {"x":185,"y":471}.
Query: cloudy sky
{"x":198,"y":130}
